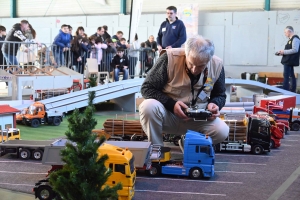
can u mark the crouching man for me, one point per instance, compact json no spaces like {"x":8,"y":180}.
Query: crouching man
{"x":179,"y":79}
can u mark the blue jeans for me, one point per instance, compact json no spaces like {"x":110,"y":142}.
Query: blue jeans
{"x":10,"y":59}
{"x":288,"y":71}
{"x":125,"y":74}
{"x":59,"y":57}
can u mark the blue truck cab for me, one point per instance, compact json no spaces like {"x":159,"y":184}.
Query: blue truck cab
{"x":198,"y":159}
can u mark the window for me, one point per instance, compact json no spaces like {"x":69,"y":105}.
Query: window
{"x":263,"y":130}
{"x":131,"y":163}
{"x":8,"y":126}
{"x":197,"y":149}
{"x":111,"y":166}
{"x":120,"y":168}
{"x":204,"y":149}
{"x":15,"y":132}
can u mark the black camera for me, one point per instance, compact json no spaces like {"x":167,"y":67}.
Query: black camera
{"x":198,"y":114}
{"x":277,"y":53}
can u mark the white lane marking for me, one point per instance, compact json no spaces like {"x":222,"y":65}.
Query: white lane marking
{"x":276,"y":150}
{"x":171,"y":192}
{"x":187,"y":180}
{"x":16,"y":184}
{"x":286,"y":145}
{"x":234,"y":172}
{"x":240,"y":163}
{"x":284,"y":186}
{"x":219,"y":154}
{"x":291,"y":135}
{"x":21,"y":172}
{"x":9,"y":161}
{"x":291,"y":140}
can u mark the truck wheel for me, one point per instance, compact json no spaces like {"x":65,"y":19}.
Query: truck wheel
{"x":24,"y":154}
{"x":295,"y":126}
{"x":155,"y":170}
{"x":35,"y":123}
{"x":45,"y":192}
{"x":257,"y":149}
{"x":176,"y":140}
{"x":19,"y":121}
{"x":272,"y":144}
{"x":195,"y":173}
{"x":56,"y":121}
{"x":37,"y":154}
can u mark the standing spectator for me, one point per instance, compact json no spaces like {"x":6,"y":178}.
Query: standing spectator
{"x":2,"y":38}
{"x":118,"y":37}
{"x":100,"y":33}
{"x":70,"y":30}
{"x":97,"y":53}
{"x":76,"y":50}
{"x":109,"y":53}
{"x":151,"y":54}
{"x":123,"y":44}
{"x":84,"y":35}
{"x":133,"y":55}
{"x":290,"y":58}
{"x":105,"y":35}
{"x":120,"y":63}
{"x":144,"y":59}
{"x":16,"y":34}
{"x":79,"y":31}
{"x":62,"y":42}
{"x":28,"y":52}
{"x":172,"y":33}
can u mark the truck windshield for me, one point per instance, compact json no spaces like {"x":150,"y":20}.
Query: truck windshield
{"x":24,"y":111}
{"x":131,"y":163}
{"x":32,"y":110}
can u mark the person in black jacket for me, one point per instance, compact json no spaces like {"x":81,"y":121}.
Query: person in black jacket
{"x":120,"y":63}
{"x":16,"y":34}
{"x":151,"y":54}
{"x":77,"y":52}
{"x":2,"y":38}
{"x":290,"y":58}
{"x":106,"y":34}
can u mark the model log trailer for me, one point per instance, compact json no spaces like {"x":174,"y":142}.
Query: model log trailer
{"x":37,"y":114}
{"x":121,"y":161}
{"x":130,"y":130}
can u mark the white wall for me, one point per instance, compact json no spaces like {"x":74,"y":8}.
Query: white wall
{"x":6,"y":119}
{"x":246,"y":41}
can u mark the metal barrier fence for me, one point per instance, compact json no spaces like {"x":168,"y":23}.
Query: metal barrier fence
{"x":134,"y":63}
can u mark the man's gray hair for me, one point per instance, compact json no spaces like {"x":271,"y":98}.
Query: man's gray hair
{"x":290,"y":28}
{"x":199,"y":47}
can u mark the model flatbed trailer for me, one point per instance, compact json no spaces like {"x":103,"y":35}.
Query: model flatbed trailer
{"x":25,"y":149}
{"x":143,"y":152}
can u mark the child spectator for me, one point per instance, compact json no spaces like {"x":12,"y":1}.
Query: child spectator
{"x":144,"y":60}
{"x":97,"y":53}
{"x":120,"y":63}
{"x":109,"y":53}
{"x":123,"y":43}
{"x":62,"y":44}
{"x":46,"y":58}
{"x":118,"y":37}
{"x":79,"y":31}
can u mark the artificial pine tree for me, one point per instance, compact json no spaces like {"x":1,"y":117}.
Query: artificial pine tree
{"x":93,"y":81}
{"x":83,"y":177}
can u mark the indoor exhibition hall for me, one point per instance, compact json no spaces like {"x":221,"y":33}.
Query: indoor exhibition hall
{"x":149,"y":100}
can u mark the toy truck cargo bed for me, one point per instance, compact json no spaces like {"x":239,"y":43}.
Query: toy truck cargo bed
{"x":142,"y":151}
{"x":26,"y":143}
{"x":52,"y":153}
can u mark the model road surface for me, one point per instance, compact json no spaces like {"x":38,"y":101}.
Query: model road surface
{"x":237,"y":176}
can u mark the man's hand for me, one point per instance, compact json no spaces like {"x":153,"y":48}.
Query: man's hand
{"x":153,"y":50}
{"x":169,"y":47}
{"x":281,"y":52}
{"x":125,"y":67}
{"x":159,"y":48}
{"x":178,"y":110}
{"x":214,"y":109}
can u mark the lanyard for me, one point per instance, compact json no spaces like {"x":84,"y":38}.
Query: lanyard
{"x":193,"y":102}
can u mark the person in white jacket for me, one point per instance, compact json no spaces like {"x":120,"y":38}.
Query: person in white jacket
{"x":133,"y":55}
{"x":27,"y":53}
{"x":97,"y":52}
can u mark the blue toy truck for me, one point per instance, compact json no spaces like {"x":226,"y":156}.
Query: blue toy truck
{"x":198,"y":159}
